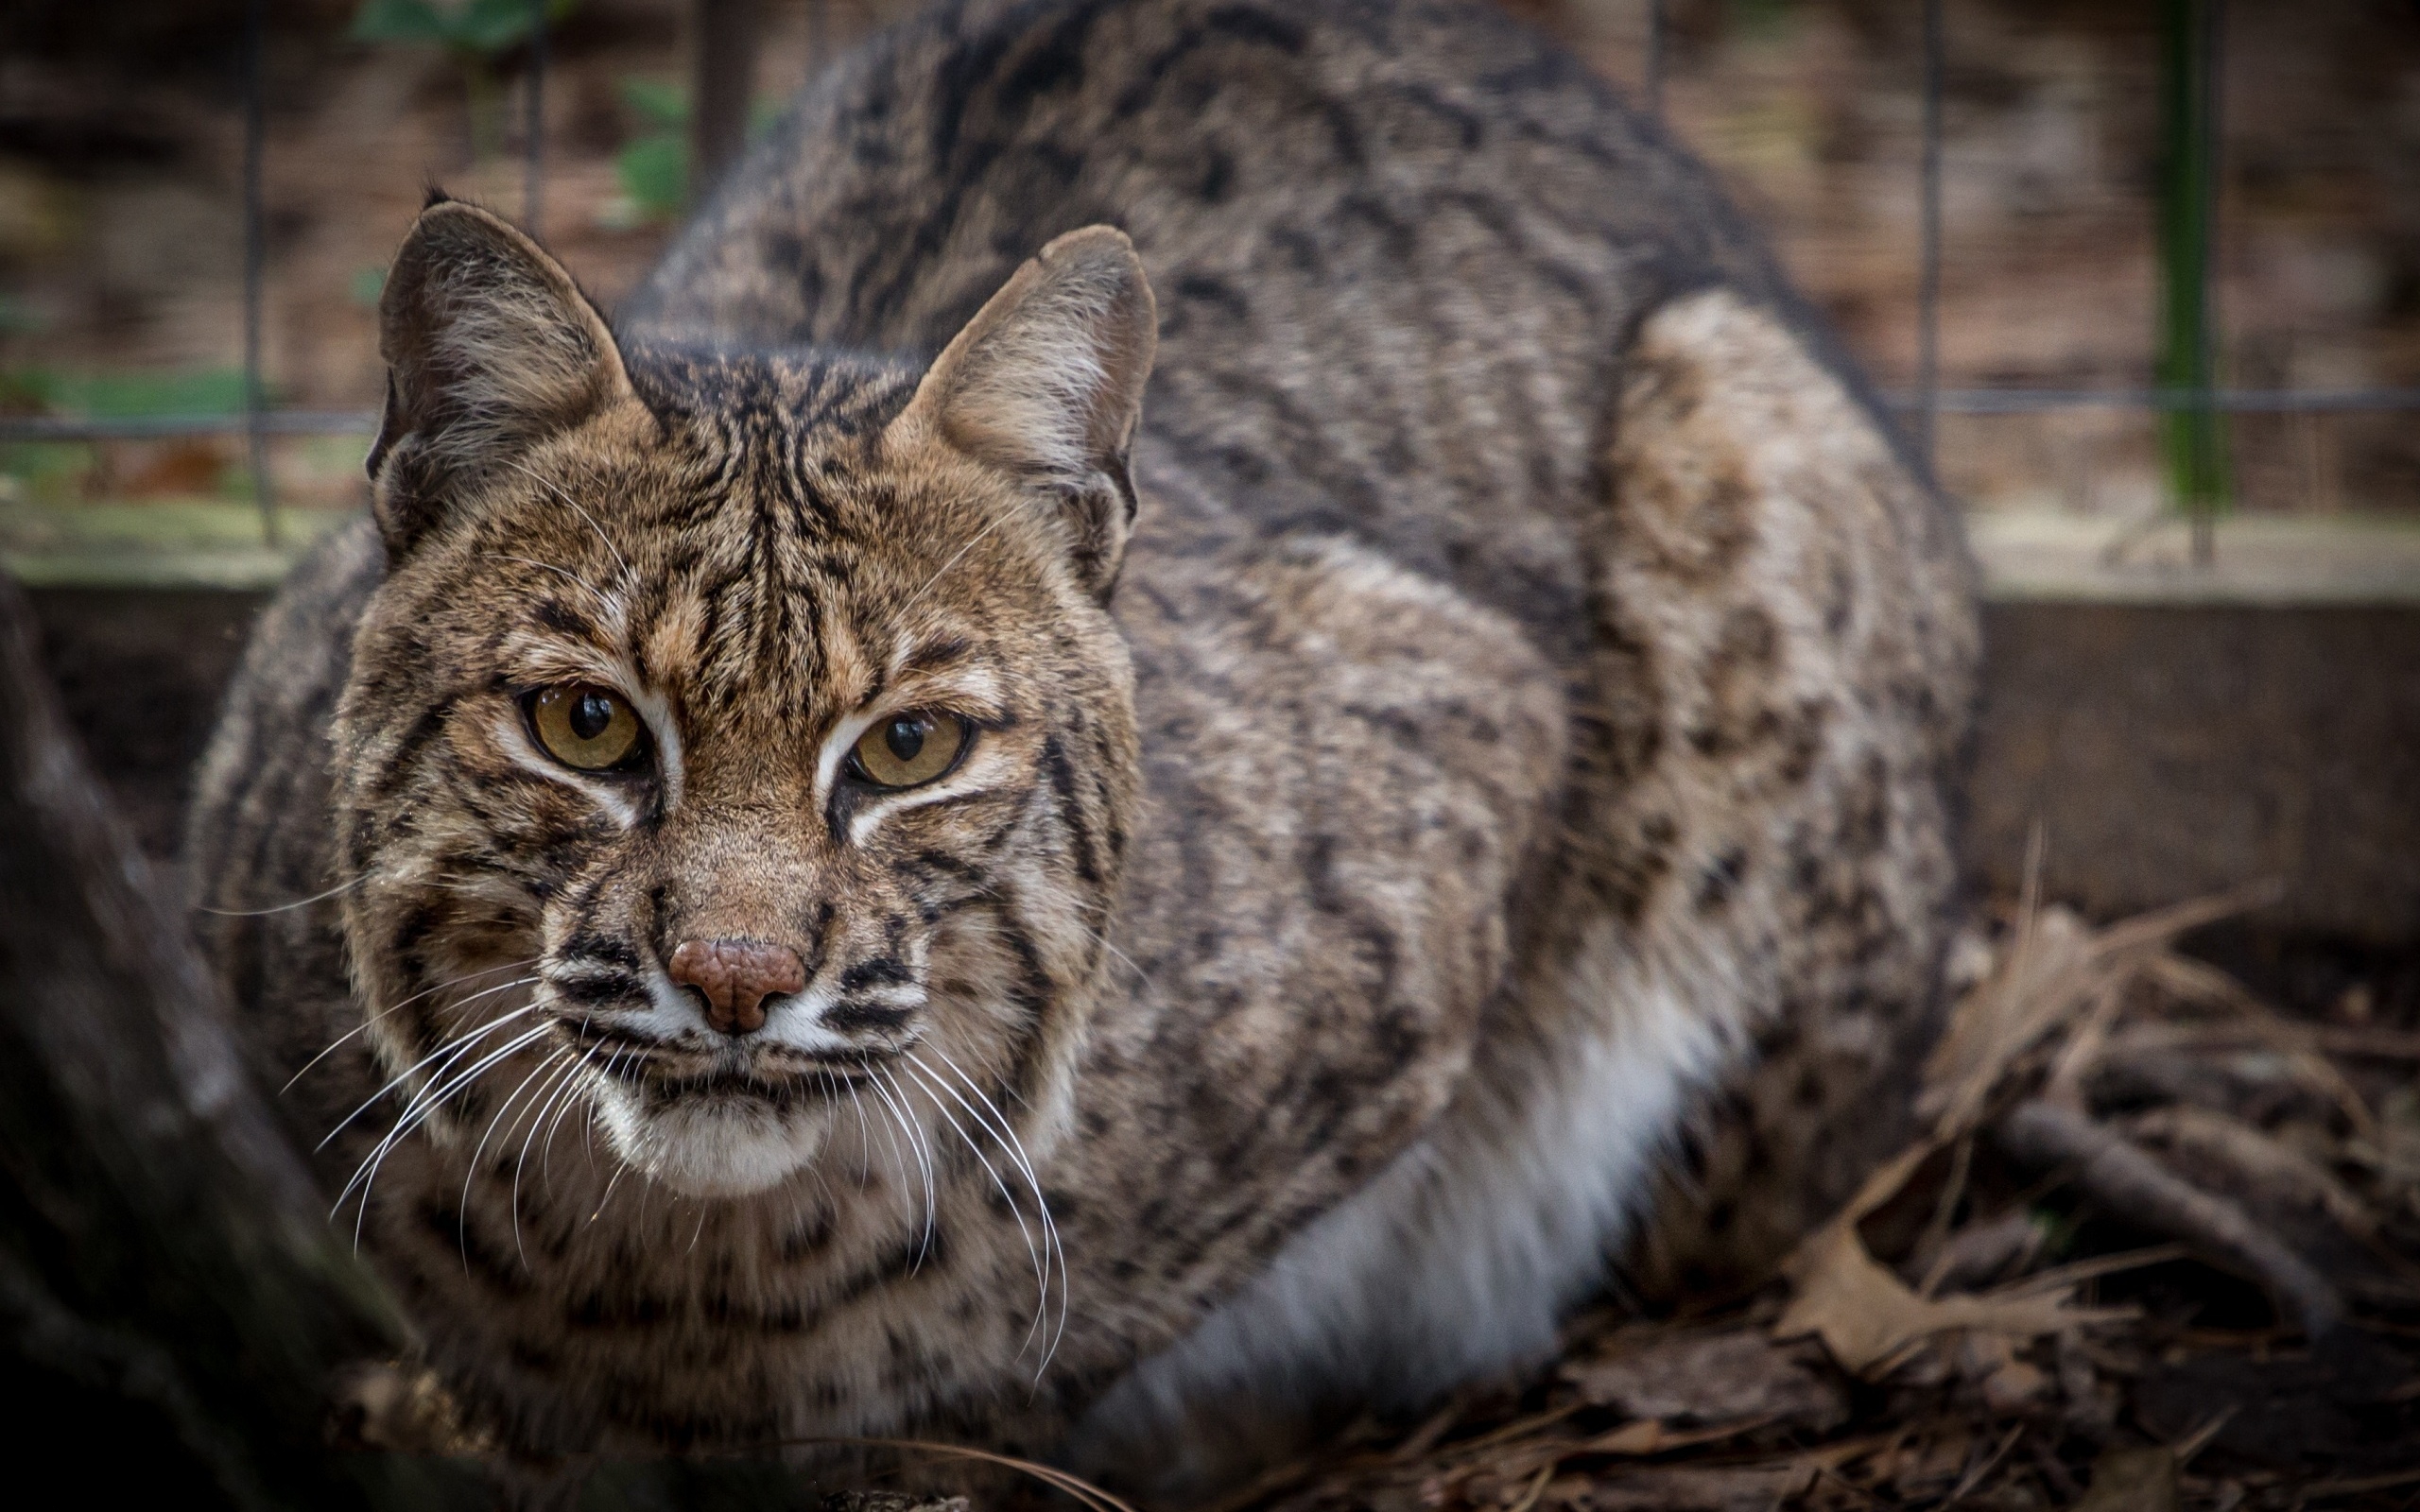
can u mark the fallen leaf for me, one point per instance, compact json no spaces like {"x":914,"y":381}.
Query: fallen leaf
{"x":1644,"y":1438}
{"x":1865,"y":1315}
{"x":1711,"y":1378}
{"x":2132,"y":1480}
{"x":1676,"y":1488}
{"x":1653,"y":1438}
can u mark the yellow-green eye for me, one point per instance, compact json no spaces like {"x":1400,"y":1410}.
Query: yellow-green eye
{"x":584,"y":726}
{"x":908,"y":749}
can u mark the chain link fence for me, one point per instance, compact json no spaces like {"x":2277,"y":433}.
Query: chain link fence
{"x":723,"y":33}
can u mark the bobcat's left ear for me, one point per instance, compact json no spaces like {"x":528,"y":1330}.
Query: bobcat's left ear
{"x":489,"y":348}
{"x":1045,"y":382}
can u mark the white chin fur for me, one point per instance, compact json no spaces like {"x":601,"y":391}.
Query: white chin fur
{"x":713,"y":1146}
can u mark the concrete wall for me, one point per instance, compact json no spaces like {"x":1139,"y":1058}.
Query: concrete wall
{"x":2171,"y":751}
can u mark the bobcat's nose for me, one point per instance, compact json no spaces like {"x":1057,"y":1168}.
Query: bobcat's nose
{"x":735,"y":976}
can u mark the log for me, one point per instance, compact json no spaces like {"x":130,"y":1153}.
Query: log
{"x":173,"y":1304}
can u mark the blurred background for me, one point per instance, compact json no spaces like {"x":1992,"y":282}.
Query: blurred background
{"x":2158,"y":312}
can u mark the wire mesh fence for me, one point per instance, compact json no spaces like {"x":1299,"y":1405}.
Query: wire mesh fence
{"x":2186,"y":397}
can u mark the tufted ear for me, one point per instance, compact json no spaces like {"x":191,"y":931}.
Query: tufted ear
{"x":1046,"y":384}
{"x":490,"y":346}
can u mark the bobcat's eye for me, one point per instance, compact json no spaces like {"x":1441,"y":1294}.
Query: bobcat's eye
{"x":584,"y":727}
{"x":909,"y":750}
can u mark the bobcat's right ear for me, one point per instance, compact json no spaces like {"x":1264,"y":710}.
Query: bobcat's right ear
{"x":490,"y":346}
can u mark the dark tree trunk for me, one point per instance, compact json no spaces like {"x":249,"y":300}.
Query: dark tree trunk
{"x":723,"y":75}
{"x":173,"y":1304}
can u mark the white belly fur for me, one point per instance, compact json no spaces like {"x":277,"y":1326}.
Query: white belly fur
{"x":1460,"y":1261}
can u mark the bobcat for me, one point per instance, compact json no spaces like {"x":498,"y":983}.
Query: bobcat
{"x":1100,"y":839}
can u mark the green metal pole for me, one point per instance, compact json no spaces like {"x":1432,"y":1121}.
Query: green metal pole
{"x":2193,"y":439}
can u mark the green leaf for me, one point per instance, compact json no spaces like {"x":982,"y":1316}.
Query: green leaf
{"x":654,"y":171}
{"x":662,"y":106}
{"x":481,"y":27}
{"x":400,"y":21}
{"x":493,"y":26}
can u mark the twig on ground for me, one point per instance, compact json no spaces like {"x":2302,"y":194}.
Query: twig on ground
{"x":2129,"y":1181}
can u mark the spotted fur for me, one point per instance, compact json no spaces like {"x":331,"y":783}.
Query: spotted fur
{"x":1501,"y":671}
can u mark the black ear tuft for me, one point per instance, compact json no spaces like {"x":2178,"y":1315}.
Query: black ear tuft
{"x":489,"y":349}
{"x":434,"y":195}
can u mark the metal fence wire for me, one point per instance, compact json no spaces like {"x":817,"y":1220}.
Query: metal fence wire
{"x":725,"y":29}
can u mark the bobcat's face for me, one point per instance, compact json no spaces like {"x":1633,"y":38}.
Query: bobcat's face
{"x":763,"y":714}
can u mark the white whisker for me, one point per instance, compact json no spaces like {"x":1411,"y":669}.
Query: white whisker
{"x":280,"y":908}
{"x":929,"y":1080}
{"x":471,"y":1171}
{"x":557,"y":490}
{"x":371,"y":1018}
{"x":554,"y":1090}
{"x":953,"y":561}
{"x":450,"y":1050}
{"x":1002,"y":1130}
{"x":416,"y":1112}
{"x":906,"y":1129}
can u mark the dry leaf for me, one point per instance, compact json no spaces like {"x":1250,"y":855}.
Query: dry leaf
{"x":1982,"y":1253}
{"x":1676,"y":1488}
{"x":2056,"y":968}
{"x":1710,"y":1377}
{"x":2040,"y":980}
{"x":1652,"y":1438}
{"x":2132,"y":1480}
{"x":1866,"y":1316}
{"x":2006,"y":1383}
{"x":1645,"y":1437}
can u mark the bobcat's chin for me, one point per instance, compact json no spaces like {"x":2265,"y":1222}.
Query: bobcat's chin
{"x":713,"y":1144}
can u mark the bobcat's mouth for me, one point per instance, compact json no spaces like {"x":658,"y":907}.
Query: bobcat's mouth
{"x":771,"y":1074}
{"x":724,"y":1123}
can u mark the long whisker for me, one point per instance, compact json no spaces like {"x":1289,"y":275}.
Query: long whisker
{"x":450,"y":1050}
{"x":930,"y":1157}
{"x":412,"y":1118}
{"x":898,"y":1162}
{"x":550,"y":567}
{"x":554,"y":1090}
{"x":1002,"y":1130}
{"x":907,"y":1130}
{"x":557,"y":490}
{"x":374,"y":1017}
{"x":280,"y":908}
{"x":428,"y":1099}
{"x":953,"y":561}
{"x":926,"y":1078}
{"x":546,"y":1150}
{"x":619,"y":1166}
{"x":471,"y":1170}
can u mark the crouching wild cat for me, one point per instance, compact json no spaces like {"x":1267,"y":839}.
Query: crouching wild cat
{"x":1110,"y":774}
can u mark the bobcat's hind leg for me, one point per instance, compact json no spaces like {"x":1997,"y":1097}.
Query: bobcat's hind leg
{"x":1751,"y":892}
{"x":1785,"y":652}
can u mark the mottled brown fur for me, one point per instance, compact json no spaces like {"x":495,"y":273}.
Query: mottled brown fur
{"x":1510,"y":670}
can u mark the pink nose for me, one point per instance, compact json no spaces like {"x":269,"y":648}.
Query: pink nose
{"x":735,"y":976}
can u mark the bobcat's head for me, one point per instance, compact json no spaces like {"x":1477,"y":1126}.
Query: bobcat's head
{"x":759,"y":714}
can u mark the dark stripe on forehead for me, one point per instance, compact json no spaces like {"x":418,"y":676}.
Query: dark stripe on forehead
{"x":557,"y":615}
{"x":934,"y":655}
